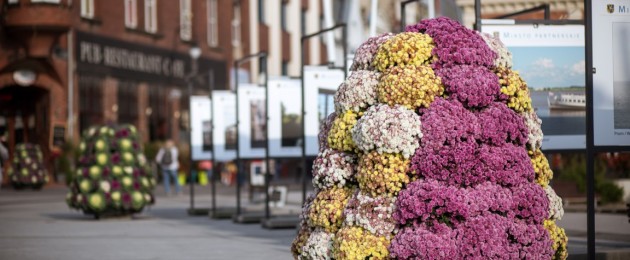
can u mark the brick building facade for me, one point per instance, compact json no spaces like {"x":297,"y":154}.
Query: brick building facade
{"x":66,"y":65}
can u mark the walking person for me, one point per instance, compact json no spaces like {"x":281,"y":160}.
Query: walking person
{"x":167,"y":158}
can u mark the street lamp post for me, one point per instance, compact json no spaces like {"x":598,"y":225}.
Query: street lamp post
{"x":194,"y":52}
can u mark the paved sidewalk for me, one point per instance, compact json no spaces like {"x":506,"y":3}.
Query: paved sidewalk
{"x":38,"y":225}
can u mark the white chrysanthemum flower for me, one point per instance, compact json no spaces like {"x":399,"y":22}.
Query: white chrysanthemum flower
{"x":371,"y":213}
{"x":535,"y":135}
{"x":388,"y":130}
{"x":504,"y":56}
{"x":555,"y":204}
{"x":318,"y":246}
{"x":333,"y":168}
{"x":357,"y":92}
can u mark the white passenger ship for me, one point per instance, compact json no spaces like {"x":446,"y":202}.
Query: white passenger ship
{"x":566,"y":101}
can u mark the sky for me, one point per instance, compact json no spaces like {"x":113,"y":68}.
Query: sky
{"x":544,"y":67}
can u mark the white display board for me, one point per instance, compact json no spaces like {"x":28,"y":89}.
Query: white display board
{"x":224,"y":113}
{"x":285,"y":117}
{"x":252,"y":120}
{"x":200,"y":120}
{"x":320,"y":85}
{"x":611,"y":81}
{"x":550,"y":58}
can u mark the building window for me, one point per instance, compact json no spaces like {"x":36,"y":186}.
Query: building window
{"x":150,"y":16}
{"x":45,"y":1}
{"x":90,"y":101}
{"x":262,"y":64}
{"x":213,"y":23}
{"x":236,"y":26}
{"x":13,"y":1}
{"x":283,"y":15}
{"x":285,"y":68}
{"x":127,"y":100}
{"x":131,"y":14}
{"x":87,"y":8}
{"x":261,"y":11}
{"x":158,"y":113}
{"x":185,"y":21}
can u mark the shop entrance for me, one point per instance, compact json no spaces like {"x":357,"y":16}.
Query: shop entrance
{"x":24,"y":113}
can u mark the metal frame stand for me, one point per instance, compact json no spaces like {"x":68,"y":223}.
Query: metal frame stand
{"x":241,"y":216}
{"x":291,"y":221}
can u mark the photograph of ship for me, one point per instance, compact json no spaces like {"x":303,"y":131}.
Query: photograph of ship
{"x":325,"y":103}
{"x":207,"y":135}
{"x":291,"y":130}
{"x":621,"y":77}
{"x":556,"y":80}
{"x":257,"y":123}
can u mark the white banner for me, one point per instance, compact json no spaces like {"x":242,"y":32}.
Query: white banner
{"x":224,"y":134}
{"x":200,"y":120}
{"x":550,"y":58}
{"x":285,"y":117}
{"x":611,"y":81}
{"x":252,"y":120}
{"x":320,"y":85}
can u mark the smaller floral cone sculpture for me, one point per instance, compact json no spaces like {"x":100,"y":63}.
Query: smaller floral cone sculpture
{"x":112,"y":176}
{"x":433,"y":152}
{"x":27,"y":169}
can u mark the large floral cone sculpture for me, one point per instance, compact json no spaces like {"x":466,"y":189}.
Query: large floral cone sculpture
{"x":27,"y":169}
{"x":112,"y":176}
{"x":433,"y":153}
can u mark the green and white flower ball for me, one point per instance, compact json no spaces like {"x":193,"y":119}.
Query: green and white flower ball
{"x":112,"y":159}
{"x":29,"y":166}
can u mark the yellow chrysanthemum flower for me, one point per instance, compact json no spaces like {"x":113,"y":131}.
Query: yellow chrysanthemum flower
{"x":559,"y":238}
{"x":410,"y":86}
{"x":515,"y":88}
{"x":357,"y":243}
{"x":340,"y":135}
{"x":408,"y":48}
{"x":327,"y":208}
{"x":541,"y":167}
{"x":382,"y":174}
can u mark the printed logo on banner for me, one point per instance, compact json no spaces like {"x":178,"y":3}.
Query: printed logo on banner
{"x":610,"y":8}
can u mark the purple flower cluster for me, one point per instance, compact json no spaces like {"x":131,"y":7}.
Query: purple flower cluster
{"x":447,"y":123}
{"x":421,"y":242}
{"x":506,"y":165}
{"x":469,"y":163}
{"x":488,"y":236}
{"x":430,"y":201}
{"x":454,"y":43}
{"x":493,"y":236}
{"x":473,"y":86}
{"x":501,"y":124}
{"x":365,"y":53}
